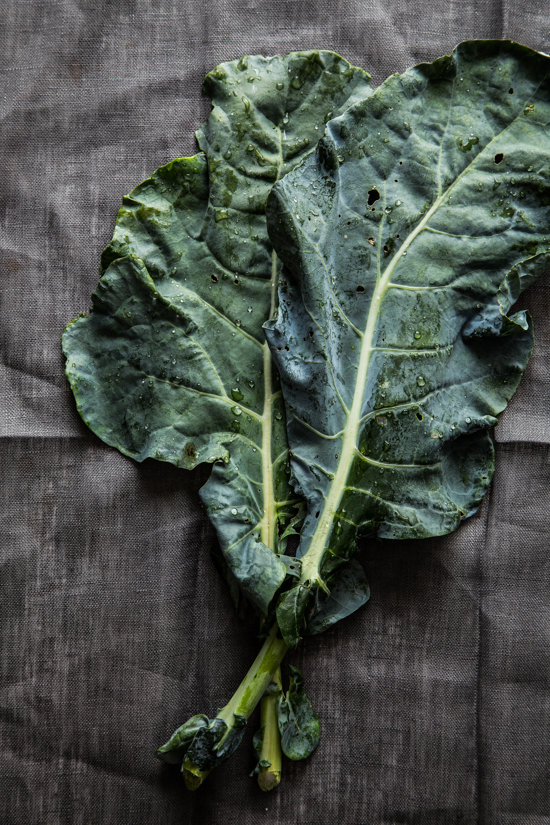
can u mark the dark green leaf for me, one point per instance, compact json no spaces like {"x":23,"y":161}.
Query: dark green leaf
{"x":214,"y":744}
{"x":272,"y":689}
{"x":172,"y":362}
{"x":291,"y":609}
{"x":293,"y":566}
{"x":349,"y":590}
{"x":298,"y":723}
{"x":294,"y":526}
{"x":394,"y":350}
{"x":177,"y":746}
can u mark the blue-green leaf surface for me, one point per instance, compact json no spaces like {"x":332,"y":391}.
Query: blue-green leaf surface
{"x":174,"y":751}
{"x":172,"y":362}
{"x":214,"y":743}
{"x":290,"y":613}
{"x":349,"y":590}
{"x":298,"y":723}
{"x":392,"y":341}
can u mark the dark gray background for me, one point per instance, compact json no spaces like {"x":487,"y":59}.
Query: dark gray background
{"x":435,"y":699}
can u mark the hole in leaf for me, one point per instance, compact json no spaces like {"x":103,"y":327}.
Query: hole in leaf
{"x":287,"y":349}
{"x":374,"y":195}
{"x":317,"y":514}
{"x":398,"y":236}
{"x":510,"y":91}
{"x":386,"y":249}
{"x":420,"y":416}
{"x":214,"y":278}
{"x":499,"y":157}
{"x":371,"y":241}
{"x":400,"y":163}
{"x":236,"y":281}
{"x":360,"y":288}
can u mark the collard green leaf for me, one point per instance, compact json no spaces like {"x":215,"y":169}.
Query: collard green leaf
{"x":290,"y":612}
{"x":177,"y":746}
{"x":214,"y":743}
{"x":172,"y":362}
{"x":349,"y":590}
{"x":392,"y":341}
{"x":298,"y":723}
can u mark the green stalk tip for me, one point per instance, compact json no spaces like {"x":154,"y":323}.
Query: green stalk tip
{"x":268,"y":779}
{"x":193,"y":776}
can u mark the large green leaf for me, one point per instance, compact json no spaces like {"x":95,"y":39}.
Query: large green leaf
{"x":392,"y":341}
{"x":172,"y":362}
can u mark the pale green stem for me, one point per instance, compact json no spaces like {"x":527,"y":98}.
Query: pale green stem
{"x":246,"y":697}
{"x":269,"y":778}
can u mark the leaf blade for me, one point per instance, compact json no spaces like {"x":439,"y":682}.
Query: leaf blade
{"x":349,"y":590}
{"x":373,"y":267}
{"x":298,"y":722}
{"x":191,"y":271}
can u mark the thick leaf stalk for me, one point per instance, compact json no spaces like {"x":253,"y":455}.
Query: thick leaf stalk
{"x":270,"y":755}
{"x":213,"y":741}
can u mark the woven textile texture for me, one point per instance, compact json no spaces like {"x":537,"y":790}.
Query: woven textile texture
{"x":434,"y":700}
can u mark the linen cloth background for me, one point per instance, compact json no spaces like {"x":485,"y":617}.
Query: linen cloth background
{"x":435,"y":698}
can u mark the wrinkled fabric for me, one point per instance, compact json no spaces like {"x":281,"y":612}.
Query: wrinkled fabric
{"x":434,"y":700}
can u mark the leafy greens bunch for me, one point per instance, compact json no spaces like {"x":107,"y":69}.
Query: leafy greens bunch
{"x":357,"y":291}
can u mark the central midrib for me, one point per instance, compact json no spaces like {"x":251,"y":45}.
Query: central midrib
{"x":269,"y":520}
{"x":312,"y":559}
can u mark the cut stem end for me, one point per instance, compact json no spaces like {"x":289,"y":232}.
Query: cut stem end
{"x":193,"y":776}
{"x":267,"y":780}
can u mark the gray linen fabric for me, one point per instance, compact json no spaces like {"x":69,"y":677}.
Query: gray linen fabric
{"x":435,"y":699}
